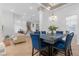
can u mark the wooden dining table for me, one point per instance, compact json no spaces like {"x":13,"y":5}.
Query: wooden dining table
{"x":50,"y":39}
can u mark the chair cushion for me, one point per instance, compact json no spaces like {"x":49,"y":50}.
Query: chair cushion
{"x":19,"y":38}
{"x":60,"y":40}
{"x":60,"y":45}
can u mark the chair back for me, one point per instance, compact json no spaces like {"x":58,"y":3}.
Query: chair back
{"x":69,"y":40}
{"x":43,"y":32}
{"x":59,"y":32}
{"x":36,"y":43}
{"x":37,"y":32}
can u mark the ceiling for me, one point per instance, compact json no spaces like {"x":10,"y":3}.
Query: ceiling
{"x":19,"y":8}
{"x":22,"y":8}
{"x":51,"y":6}
{"x":27,"y":9}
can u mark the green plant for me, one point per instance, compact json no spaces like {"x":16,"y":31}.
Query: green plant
{"x":7,"y":36}
{"x":52,"y":28}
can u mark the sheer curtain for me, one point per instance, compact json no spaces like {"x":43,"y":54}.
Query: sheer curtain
{"x":72,"y":26}
{"x":71,"y":23}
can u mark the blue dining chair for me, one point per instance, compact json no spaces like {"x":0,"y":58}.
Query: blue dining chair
{"x":59,"y":32}
{"x":37,"y":44}
{"x":43,"y":32}
{"x":64,"y":45}
{"x":37,"y":32}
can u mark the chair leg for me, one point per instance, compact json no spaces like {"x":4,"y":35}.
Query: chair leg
{"x":32,"y":51}
{"x":39,"y":53}
{"x":66,"y":53}
{"x":71,"y":51}
{"x":55,"y":52}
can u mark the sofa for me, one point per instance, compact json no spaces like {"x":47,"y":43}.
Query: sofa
{"x":19,"y":38}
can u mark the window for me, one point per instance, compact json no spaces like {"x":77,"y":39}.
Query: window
{"x":17,"y":26}
{"x":71,"y":23}
{"x":20,"y":25}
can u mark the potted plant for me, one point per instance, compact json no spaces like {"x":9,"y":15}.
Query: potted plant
{"x":7,"y":40}
{"x":52,"y":28}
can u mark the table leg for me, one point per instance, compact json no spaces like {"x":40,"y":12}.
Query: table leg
{"x":50,"y":50}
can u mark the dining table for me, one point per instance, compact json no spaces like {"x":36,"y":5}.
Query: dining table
{"x":50,"y":39}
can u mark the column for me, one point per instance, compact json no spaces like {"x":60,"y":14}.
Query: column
{"x":40,"y":19}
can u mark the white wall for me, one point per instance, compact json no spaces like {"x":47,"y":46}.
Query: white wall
{"x":7,"y":22}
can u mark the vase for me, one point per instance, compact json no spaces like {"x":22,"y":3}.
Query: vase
{"x":53,"y":32}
